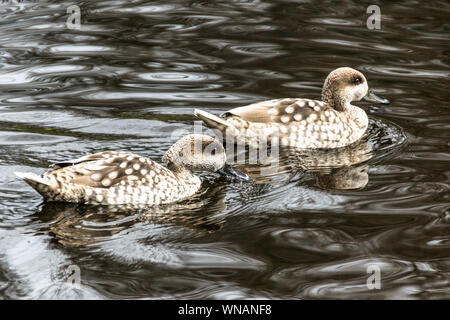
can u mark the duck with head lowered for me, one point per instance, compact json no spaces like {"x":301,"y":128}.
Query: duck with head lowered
{"x":120,"y":177}
{"x":332,"y":122}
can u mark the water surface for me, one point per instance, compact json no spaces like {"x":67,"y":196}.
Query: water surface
{"x":131,"y":77}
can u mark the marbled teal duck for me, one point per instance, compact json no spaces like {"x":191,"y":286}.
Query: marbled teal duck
{"x":118,"y":177}
{"x":303,"y":123}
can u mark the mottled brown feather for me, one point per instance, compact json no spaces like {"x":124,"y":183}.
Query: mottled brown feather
{"x":275,"y":111}
{"x":92,"y":170}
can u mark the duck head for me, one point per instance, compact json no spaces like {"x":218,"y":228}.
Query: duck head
{"x":198,"y":152}
{"x":344,"y":85}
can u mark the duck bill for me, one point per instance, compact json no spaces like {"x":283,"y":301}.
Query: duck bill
{"x":228,"y":171}
{"x":372,"y":97}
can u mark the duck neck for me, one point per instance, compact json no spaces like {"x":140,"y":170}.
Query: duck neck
{"x":182,"y":172}
{"x":341,"y":103}
{"x":335,"y":99}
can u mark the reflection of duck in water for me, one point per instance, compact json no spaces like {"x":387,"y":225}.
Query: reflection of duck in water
{"x":82,"y":224}
{"x":117,"y":177}
{"x":345,"y":178}
{"x":338,"y":169}
{"x":303,"y":123}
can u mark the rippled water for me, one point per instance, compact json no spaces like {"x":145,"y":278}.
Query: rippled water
{"x":133,"y":75}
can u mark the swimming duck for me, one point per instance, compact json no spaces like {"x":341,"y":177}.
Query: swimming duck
{"x":303,"y":123}
{"x":118,"y":177}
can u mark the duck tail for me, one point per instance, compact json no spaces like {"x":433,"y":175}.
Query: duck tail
{"x":211,"y":120}
{"x":45,"y":188}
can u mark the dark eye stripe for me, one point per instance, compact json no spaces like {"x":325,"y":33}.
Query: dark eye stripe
{"x":211,"y":147}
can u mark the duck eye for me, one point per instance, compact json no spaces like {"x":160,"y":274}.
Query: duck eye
{"x":357,"y":80}
{"x":213,"y":151}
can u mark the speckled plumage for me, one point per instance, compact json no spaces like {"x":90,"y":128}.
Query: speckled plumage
{"x":118,"y":177}
{"x":304,"y":123}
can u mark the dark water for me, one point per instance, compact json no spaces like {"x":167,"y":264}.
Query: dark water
{"x":133,"y":75}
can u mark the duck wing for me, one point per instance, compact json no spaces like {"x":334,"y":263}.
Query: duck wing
{"x":106,"y":169}
{"x":278,"y":110}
